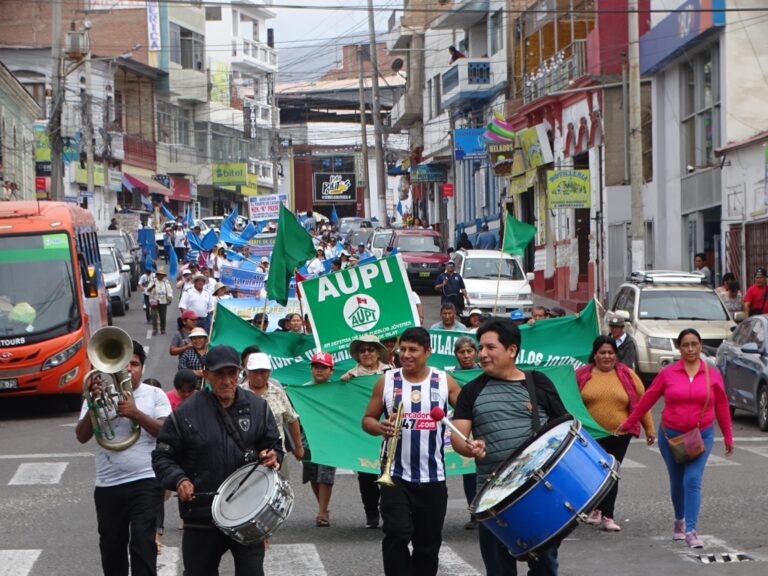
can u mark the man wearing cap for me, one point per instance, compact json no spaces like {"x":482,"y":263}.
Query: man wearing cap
{"x":518,"y":317}
{"x":756,"y":298}
{"x":450,"y":284}
{"x":263,"y":266}
{"x":626,"y":348}
{"x":261,"y":321}
{"x":319,"y":476}
{"x":199,"y":301}
{"x":223,"y":429}
{"x":362,"y":253}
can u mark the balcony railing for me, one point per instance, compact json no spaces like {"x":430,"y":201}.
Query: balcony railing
{"x":558,"y":72}
{"x":254,"y":53}
{"x":139,"y":152}
{"x":472,"y":78}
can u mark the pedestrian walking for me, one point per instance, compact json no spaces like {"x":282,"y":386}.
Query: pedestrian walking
{"x":160,"y":297}
{"x":451,"y":286}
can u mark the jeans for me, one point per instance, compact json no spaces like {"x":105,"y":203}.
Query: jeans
{"x":685,"y":479}
{"x":470,"y":486}
{"x":616,"y":446}
{"x":499,"y":562}
{"x":147,"y":309}
{"x":202,"y":549}
{"x":127,"y":520}
{"x":159,"y":311}
{"x":413,"y":513}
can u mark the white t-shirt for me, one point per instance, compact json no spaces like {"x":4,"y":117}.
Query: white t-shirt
{"x":135,"y":463}
{"x":201,"y":303}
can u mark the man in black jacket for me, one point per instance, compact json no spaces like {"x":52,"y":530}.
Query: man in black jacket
{"x":625,"y":344}
{"x":211,"y":435}
{"x":501,"y":412}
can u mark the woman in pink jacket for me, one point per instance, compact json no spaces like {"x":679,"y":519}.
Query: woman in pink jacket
{"x":690,"y":399}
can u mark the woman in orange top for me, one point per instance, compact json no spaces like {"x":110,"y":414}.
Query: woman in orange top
{"x":610,"y":390}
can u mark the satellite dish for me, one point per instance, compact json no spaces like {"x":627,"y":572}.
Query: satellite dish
{"x":397,"y":65}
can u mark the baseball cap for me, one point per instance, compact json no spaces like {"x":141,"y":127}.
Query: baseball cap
{"x":475,"y":311}
{"x":220,"y":357}
{"x":257,"y":318}
{"x":188,"y":315}
{"x":258,"y":361}
{"x":450,"y":263}
{"x":517,"y":315}
{"x":361,"y":244}
{"x":322,"y":358}
{"x":760,"y":272}
{"x":616,"y":321}
{"x":186,"y":272}
{"x":265,"y":259}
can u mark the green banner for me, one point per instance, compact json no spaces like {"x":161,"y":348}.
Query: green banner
{"x":372,"y":298}
{"x":331,"y":413}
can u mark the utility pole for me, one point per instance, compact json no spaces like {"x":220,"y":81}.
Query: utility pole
{"x":381,"y":180}
{"x":87,"y":112}
{"x":275,"y":140}
{"x":636,"y":141}
{"x":57,"y":100}
{"x":364,"y":138}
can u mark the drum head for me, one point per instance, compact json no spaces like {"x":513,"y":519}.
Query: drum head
{"x":252,"y":496}
{"x":515,"y":476}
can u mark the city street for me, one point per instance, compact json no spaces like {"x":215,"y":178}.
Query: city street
{"x":49,"y":526}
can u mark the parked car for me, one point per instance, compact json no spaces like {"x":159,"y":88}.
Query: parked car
{"x":116,"y":279}
{"x":362,"y":235}
{"x":658,"y":304}
{"x":423,"y":254}
{"x":743,"y":361}
{"x":487,"y":273}
{"x":347,"y":224}
{"x":130,"y":249}
{"x":379,"y":241}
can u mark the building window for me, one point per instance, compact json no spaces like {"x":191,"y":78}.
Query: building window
{"x":213,"y":14}
{"x":437,"y":92}
{"x":187,"y":48}
{"x":174,"y":124}
{"x":700,"y":108}
{"x":495,"y":31}
{"x":429,"y":99}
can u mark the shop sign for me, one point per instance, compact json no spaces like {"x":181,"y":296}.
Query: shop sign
{"x":568,"y":188}
{"x":448,"y":190}
{"x":469,"y":144}
{"x":429,"y":173}
{"x":81,"y":174}
{"x":535,"y":144}
{"x":334,"y":187}
{"x":230,"y":174}
{"x":501,"y":156}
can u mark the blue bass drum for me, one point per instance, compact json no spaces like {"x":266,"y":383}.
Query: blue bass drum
{"x":545,"y":488}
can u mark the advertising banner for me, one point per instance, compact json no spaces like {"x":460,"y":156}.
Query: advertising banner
{"x":469,"y":144}
{"x":230,"y":174}
{"x":243,"y":280}
{"x":334,"y":187}
{"x":372,"y":298}
{"x":429,"y":173}
{"x":262,"y":245}
{"x":331,"y":413}
{"x":501,"y":156}
{"x":568,"y":189}
{"x":265,"y":207}
{"x":245,"y":308}
{"x":535,"y":144}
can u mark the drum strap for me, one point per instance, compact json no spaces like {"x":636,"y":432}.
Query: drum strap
{"x":229,"y":424}
{"x":531,"y":385}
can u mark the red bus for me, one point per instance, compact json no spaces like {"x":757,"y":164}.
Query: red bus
{"x":52,"y":297}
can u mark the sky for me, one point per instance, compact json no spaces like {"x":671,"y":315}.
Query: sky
{"x":309,"y":41}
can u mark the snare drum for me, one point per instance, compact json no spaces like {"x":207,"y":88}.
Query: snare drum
{"x":550,"y":483}
{"x":257,"y":508}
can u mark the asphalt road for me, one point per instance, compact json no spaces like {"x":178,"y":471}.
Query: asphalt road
{"x":49,"y":528}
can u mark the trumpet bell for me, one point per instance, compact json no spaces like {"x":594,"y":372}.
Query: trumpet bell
{"x":110,"y":349}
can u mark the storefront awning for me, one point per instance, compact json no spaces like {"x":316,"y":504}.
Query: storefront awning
{"x":144,"y":184}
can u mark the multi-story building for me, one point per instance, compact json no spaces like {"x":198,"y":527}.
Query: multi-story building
{"x":18,"y":112}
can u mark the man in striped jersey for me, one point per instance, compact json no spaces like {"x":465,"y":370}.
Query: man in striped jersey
{"x":502,"y":408}
{"x":414,"y":509}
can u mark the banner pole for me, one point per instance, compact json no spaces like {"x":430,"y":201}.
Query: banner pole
{"x":498,"y":281}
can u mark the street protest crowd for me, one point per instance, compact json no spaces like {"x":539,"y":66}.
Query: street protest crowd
{"x":249,"y":388}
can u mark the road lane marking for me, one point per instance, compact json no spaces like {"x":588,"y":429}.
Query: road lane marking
{"x":627,"y":463}
{"x":168,"y":561}
{"x":759,"y":450}
{"x":31,"y":473}
{"x":294,"y":559}
{"x":713,"y":460}
{"x":44,"y":455}
{"x":451,"y":564}
{"x":18,"y":562}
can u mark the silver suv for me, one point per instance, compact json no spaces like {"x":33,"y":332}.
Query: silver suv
{"x":658,"y":304}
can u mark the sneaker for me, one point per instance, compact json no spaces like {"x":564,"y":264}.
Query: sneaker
{"x":693,"y":540}
{"x":471,"y":524}
{"x":372,"y":521}
{"x":594,"y":518}
{"x":678,"y":531}
{"x":610,"y":526}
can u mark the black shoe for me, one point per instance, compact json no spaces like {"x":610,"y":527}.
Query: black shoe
{"x":471,"y":525}
{"x":372,"y":521}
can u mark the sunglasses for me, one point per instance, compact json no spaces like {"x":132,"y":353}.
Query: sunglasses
{"x":366,"y":350}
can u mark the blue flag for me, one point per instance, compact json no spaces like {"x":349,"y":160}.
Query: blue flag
{"x":167,"y":213}
{"x":194,"y":241}
{"x":173,"y":267}
{"x":400,"y":207}
{"x":248,"y":232}
{"x":188,"y":218}
{"x":209,"y":240}
{"x":149,"y":264}
{"x":334,"y":216}
{"x":234,"y":256}
{"x":229,"y":221}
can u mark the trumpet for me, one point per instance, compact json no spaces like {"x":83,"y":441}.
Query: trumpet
{"x":386,"y":476}
{"x":109,"y":350}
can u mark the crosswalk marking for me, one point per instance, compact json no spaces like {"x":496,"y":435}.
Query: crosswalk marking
{"x":293,"y":559}
{"x":627,"y":463}
{"x":44,"y":455}
{"x":713,"y":460}
{"x":30,"y":473}
{"x":758,"y":450}
{"x":17,"y":562}
{"x":451,"y":564}
{"x":168,"y":561}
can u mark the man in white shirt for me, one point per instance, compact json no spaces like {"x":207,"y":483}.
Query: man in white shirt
{"x":199,"y":301}
{"x":127,"y":495}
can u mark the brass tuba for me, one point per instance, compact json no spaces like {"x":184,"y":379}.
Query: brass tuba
{"x":109,"y":350}
{"x":386,"y":476}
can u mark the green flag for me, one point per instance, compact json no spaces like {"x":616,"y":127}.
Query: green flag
{"x":517,"y":235}
{"x":293,"y":247}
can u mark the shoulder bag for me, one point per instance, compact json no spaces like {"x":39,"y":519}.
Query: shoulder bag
{"x":689,"y":446}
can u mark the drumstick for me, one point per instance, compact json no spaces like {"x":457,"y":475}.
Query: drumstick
{"x":438,"y":414}
{"x":240,"y":484}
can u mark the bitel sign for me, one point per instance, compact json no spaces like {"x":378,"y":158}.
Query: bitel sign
{"x":334,"y":187}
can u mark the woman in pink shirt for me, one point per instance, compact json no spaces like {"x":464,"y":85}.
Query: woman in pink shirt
{"x":686,"y":390}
